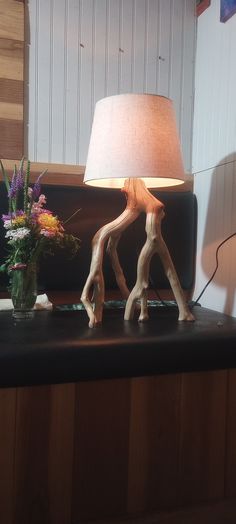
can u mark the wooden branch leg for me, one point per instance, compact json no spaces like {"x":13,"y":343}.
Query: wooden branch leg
{"x":139,"y":292}
{"x":94,"y":282}
{"x":155,"y":243}
{"x":143,"y":317}
{"x":184,"y":311}
{"x":95,"y":278}
{"x":99,"y":297}
{"x":120,"y":278}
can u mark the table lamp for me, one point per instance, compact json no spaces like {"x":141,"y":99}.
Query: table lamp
{"x":134,"y":146}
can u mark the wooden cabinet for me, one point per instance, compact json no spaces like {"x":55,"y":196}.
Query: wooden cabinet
{"x":94,"y":450}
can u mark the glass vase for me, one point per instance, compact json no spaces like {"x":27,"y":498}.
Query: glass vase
{"x":24,"y":291}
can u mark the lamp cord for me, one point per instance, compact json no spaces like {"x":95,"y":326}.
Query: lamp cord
{"x":207,"y":284}
{"x":217,"y":250}
{"x":215,"y":270}
{"x":213,"y":167}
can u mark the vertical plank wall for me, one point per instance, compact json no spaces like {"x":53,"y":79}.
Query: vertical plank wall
{"x":214,"y":143}
{"x":81,"y":51}
{"x":11,"y":78}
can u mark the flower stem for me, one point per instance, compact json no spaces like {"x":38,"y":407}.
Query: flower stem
{"x":26,"y":185}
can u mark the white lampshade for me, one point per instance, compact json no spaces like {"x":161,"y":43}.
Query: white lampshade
{"x":134,"y":136}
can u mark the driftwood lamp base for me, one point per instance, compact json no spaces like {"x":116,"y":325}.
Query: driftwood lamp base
{"x":139,"y":199}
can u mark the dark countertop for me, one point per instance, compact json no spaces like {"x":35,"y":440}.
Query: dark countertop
{"x":58,"y":346}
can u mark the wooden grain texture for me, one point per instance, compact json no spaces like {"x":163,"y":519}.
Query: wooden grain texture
{"x":154,"y":442}
{"x":11,"y":91}
{"x":138,"y":445}
{"x":7,"y":446}
{"x":11,"y":68}
{"x":12,"y":111}
{"x":164,"y":430}
{"x":218,"y":513}
{"x":31,"y":455}
{"x":230,"y":469}
{"x":61,"y":451}
{"x":11,"y":79}
{"x":11,"y":49}
{"x":101,"y":449}
{"x":43,"y":455}
{"x":11,"y":12}
{"x":202,"y":449}
{"x":56,"y":174}
{"x":11,"y":143}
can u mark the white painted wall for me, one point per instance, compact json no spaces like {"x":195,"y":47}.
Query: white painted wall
{"x":83,"y":50}
{"x":214,"y":143}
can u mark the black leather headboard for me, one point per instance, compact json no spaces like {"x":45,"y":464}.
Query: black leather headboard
{"x":99,"y":206}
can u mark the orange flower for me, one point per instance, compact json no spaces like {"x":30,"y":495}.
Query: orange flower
{"x":50,"y":225}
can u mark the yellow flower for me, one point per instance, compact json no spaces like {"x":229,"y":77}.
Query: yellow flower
{"x":19,"y":221}
{"x":49,"y":224}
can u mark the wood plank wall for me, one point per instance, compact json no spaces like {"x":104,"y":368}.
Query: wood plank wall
{"x":11,"y":78}
{"x":93,"y":450}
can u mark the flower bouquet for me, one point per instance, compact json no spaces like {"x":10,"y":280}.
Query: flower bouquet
{"x":32,"y":231}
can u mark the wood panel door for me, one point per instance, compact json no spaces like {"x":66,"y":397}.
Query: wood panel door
{"x":111,"y":448}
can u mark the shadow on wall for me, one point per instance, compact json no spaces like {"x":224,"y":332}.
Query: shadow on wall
{"x":221,"y":223}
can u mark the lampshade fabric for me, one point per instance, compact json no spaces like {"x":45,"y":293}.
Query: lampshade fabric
{"x":134,"y":136}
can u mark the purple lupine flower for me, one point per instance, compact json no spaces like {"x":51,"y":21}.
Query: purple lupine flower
{"x":7,"y":217}
{"x":12,"y":190}
{"x":20,"y":176}
{"x":11,"y":216}
{"x":37,"y":188}
{"x":17,"y":183}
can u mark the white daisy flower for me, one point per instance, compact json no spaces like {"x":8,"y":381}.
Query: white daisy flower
{"x":18,"y":234}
